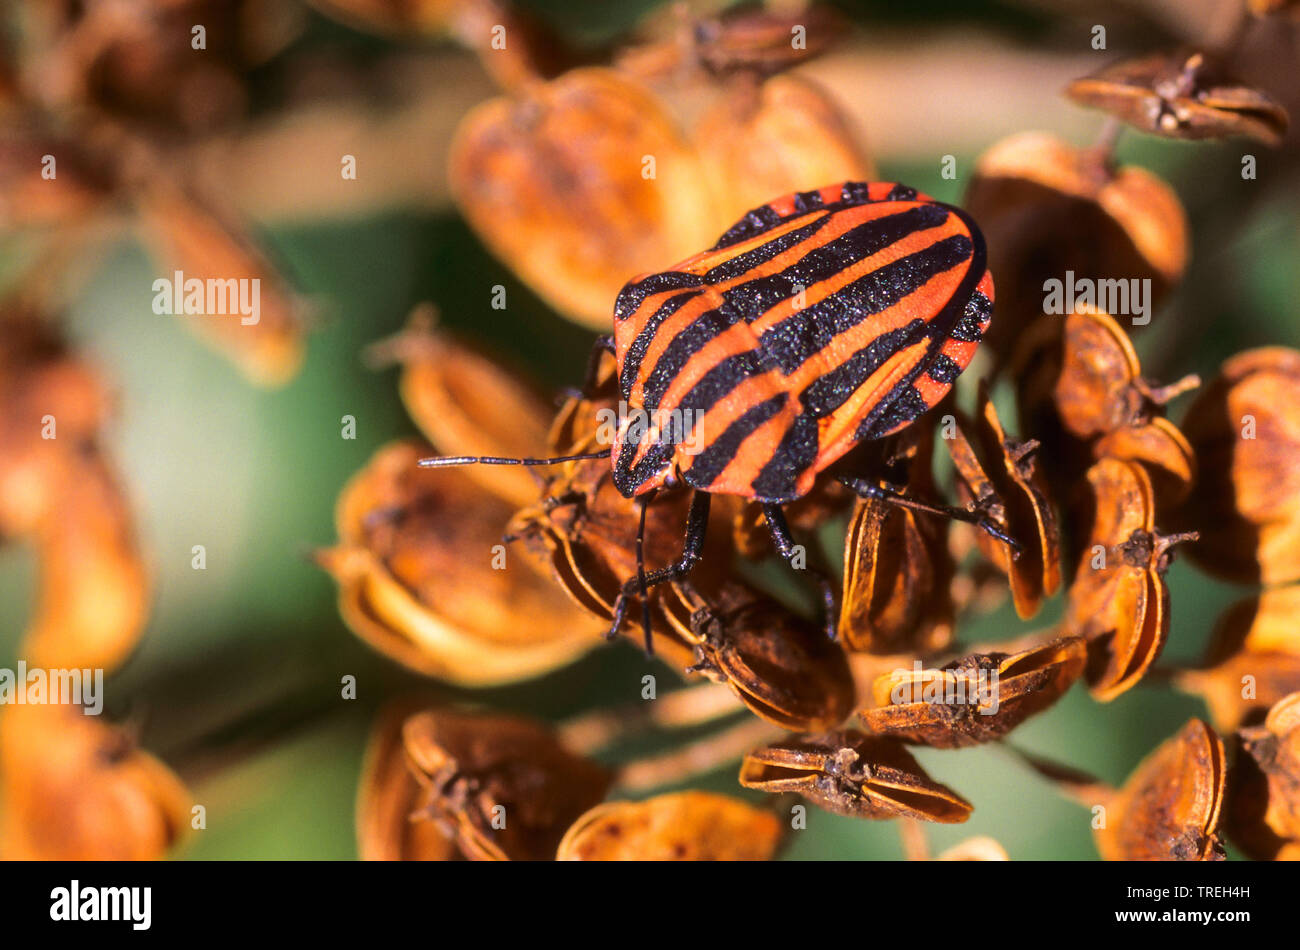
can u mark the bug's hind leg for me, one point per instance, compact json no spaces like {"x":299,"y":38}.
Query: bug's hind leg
{"x":697,"y":523}
{"x":786,"y":547}
{"x":604,"y":344}
{"x":868,"y":489}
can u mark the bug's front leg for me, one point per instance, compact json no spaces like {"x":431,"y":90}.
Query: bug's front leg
{"x":864,"y":488}
{"x":697,"y":523}
{"x":779,"y":529}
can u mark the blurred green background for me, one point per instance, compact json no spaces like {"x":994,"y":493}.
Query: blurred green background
{"x":237,"y":681}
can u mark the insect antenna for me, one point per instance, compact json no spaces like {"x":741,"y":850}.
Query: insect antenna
{"x":440,"y":461}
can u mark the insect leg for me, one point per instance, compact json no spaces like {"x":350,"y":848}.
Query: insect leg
{"x":604,"y":344}
{"x":779,"y":529}
{"x":867,"y":489}
{"x":697,"y":522}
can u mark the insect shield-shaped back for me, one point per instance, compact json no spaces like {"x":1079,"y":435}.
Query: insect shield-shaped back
{"x":818,"y":321}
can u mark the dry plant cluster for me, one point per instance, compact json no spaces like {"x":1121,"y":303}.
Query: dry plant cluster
{"x":486,"y":576}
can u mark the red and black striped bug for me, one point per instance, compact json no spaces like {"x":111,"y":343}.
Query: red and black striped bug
{"x":819,"y":321}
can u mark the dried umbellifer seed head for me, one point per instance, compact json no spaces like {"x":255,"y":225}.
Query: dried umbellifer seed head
{"x":424,"y":577}
{"x":575,"y":233}
{"x":503,"y":786}
{"x":1051,"y":211}
{"x":771,"y":138}
{"x":1001,"y":475}
{"x":462,"y":399}
{"x":388,"y":795}
{"x":1181,"y":96}
{"x":759,"y":40}
{"x":1245,"y":429}
{"x":1169,"y":809}
{"x":1119,"y":600}
{"x":77,"y":789}
{"x":780,"y":666}
{"x":852,"y":774}
{"x":979,"y":698}
{"x":1264,"y":785}
{"x":1253,"y":660}
{"x":682,"y":826}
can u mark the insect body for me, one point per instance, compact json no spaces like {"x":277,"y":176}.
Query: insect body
{"x":819,"y":321}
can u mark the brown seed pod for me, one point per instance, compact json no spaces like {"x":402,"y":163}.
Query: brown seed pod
{"x":388,"y":795}
{"x":597,"y":215}
{"x":848,"y":773}
{"x":462,"y":399}
{"x":1263,"y":813}
{"x":219,"y":265}
{"x":1181,"y":96}
{"x":1119,"y":600}
{"x":682,"y":826}
{"x":780,"y":666}
{"x":1245,"y":429}
{"x":979,"y":698}
{"x":1048,"y":209}
{"x":415,"y":567}
{"x":1000,"y":475}
{"x":1170,"y":807}
{"x":1253,"y":660}
{"x":761,"y":40}
{"x":504,"y":787}
{"x":774,"y":137}
{"x":77,"y":789}
{"x":1087,"y":396}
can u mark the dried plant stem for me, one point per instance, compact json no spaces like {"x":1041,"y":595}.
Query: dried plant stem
{"x":915,"y":845}
{"x":695,"y":759}
{"x":692,"y":706}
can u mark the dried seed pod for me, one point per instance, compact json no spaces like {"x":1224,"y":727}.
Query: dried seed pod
{"x":775,"y":137}
{"x":1051,"y":211}
{"x":461,"y":398}
{"x":1000,"y":475}
{"x":897,"y":570}
{"x":1119,"y":600}
{"x":77,"y":789}
{"x":1245,"y":429}
{"x":979,"y":698}
{"x":750,"y":534}
{"x":388,"y":795}
{"x":1263,"y":813}
{"x":1253,"y":660}
{"x":1088,"y":398}
{"x":780,"y":666}
{"x":759,"y":40}
{"x":229,"y":292}
{"x":599,"y":213}
{"x":848,"y":773}
{"x":417,"y":580}
{"x":682,"y":826}
{"x":503,"y":786}
{"x":1181,"y":96}
{"x":1169,"y":809}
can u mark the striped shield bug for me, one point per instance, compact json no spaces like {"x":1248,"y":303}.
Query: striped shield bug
{"x":819,"y":321}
